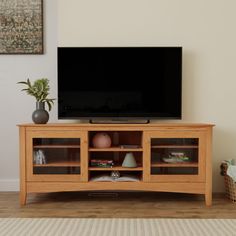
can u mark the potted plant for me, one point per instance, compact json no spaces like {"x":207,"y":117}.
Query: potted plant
{"x":40,"y":90}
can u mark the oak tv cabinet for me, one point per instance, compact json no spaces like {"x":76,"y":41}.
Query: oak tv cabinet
{"x":68,"y":151}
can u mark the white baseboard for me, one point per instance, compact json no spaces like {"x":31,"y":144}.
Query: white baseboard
{"x":9,"y":185}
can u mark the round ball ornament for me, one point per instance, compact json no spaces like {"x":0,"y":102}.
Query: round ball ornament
{"x":101,"y":140}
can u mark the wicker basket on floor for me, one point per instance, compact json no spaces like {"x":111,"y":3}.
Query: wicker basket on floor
{"x":230,"y":185}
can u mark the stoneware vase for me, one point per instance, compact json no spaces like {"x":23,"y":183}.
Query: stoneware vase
{"x":40,"y":115}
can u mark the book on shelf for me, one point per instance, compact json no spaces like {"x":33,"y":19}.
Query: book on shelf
{"x":102,"y":163}
{"x":108,"y":178}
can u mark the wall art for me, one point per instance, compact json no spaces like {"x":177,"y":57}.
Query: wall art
{"x":21,"y":26}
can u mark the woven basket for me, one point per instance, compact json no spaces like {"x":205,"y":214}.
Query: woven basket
{"x":230,"y":185}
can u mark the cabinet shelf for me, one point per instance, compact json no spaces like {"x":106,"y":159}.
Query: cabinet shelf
{"x":115,"y":149}
{"x":118,"y":168}
{"x":185,"y":164}
{"x":57,"y":146}
{"x":174,"y":146}
{"x":59,"y":164}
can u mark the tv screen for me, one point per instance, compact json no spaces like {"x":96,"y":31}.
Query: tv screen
{"x":119,"y":82}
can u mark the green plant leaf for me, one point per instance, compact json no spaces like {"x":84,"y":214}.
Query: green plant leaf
{"x":22,"y":82}
{"x":39,"y":89}
{"x":49,"y":106}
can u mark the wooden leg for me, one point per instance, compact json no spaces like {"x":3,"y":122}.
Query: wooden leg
{"x":208,"y":199}
{"x":22,"y":166}
{"x":23,"y":196}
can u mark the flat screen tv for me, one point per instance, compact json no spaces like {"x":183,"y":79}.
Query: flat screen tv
{"x":119,"y":82}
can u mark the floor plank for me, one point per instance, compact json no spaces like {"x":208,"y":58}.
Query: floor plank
{"x":116,"y":205}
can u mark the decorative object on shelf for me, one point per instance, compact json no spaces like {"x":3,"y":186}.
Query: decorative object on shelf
{"x":39,"y":157}
{"x":21,"y":27}
{"x":129,"y":160}
{"x":176,"y":157}
{"x":101,"y":140}
{"x":115,"y":174}
{"x":40,"y":115}
{"x":40,"y":90}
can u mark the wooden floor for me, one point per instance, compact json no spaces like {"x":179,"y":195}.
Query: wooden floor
{"x":116,"y":205}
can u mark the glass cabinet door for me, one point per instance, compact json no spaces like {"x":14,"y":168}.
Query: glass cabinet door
{"x":177,"y":158}
{"x":54,"y":158}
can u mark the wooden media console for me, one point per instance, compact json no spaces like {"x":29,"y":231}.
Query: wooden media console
{"x":170,"y":157}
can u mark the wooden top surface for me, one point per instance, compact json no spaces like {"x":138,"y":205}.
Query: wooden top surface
{"x":149,"y":125}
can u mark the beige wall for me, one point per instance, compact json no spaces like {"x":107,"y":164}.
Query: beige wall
{"x":17,"y":107}
{"x":205,"y":29}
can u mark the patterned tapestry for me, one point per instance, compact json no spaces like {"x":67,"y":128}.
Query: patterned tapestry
{"x":21,"y":27}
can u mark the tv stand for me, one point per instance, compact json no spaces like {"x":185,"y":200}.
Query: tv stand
{"x":170,"y":158}
{"x":119,"y":121}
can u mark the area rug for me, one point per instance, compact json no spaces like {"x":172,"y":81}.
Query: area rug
{"x":116,"y":227}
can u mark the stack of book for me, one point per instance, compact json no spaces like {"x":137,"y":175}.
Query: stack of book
{"x":102,"y":163}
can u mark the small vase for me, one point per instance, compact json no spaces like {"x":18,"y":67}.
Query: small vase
{"x":129,"y":160}
{"x":40,"y":115}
